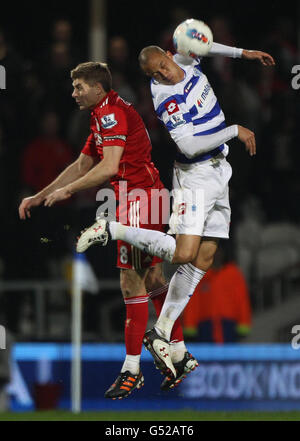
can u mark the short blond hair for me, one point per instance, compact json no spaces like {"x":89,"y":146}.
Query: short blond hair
{"x":93,"y":72}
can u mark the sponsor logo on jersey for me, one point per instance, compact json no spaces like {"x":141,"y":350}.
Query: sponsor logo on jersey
{"x":108,"y":121}
{"x":204,"y":95}
{"x":171,"y":107}
{"x":177,"y":120}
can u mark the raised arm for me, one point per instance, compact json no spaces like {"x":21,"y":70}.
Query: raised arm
{"x":234,"y":52}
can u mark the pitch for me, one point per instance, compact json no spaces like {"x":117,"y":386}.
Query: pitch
{"x":179,"y":415}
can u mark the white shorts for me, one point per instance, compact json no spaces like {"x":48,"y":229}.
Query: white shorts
{"x":201,"y":198}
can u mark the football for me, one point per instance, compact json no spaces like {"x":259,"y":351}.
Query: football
{"x":192,"y":38}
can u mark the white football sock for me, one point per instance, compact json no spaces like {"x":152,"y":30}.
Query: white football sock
{"x":131,"y":364}
{"x":181,"y":288}
{"x":151,"y":242}
{"x":177,"y":350}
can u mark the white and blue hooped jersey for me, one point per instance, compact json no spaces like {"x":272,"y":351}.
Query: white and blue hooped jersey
{"x":189,"y":108}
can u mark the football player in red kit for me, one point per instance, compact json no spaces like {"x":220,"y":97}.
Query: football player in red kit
{"x":118,"y":149}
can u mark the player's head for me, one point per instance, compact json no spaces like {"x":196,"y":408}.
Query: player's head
{"x":159,"y":65}
{"x":91,"y":82}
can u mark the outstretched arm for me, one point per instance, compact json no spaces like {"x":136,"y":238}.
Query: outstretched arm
{"x":103,"y":171}
{"x":234,"y":52}
{"x":74,"y":171}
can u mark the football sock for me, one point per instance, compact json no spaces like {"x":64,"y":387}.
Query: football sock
{"x":131,"y":364}
{"x":151,"y":242}
{"x":135,"y":327}
{"x":181,"y":289}
{"x":158,"y":297}
{"x":177,"y":350}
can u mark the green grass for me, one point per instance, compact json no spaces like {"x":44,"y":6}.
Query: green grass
{"x":181,"y":415}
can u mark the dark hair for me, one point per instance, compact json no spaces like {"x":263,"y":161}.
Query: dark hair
{"x":92,"y":73}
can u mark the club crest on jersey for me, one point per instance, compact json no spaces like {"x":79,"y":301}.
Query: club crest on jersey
{"x":108,"y":121}
{"x":171,"y":107}
{"x":177,"y":120}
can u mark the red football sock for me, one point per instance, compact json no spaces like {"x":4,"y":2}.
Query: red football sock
{"x":158,"y":297}
{"x":135,"y":323}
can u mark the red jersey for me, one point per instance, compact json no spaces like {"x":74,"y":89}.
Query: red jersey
{"x":114,"y":122}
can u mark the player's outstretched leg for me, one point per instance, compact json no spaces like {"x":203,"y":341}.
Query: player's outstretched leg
{"x":98,"y":233}
{"x":124,"y":385}
{"x":159,"y":348}
{"x":152,"y":242}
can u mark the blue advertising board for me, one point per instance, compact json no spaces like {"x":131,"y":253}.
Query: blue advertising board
{"x":256,"y":377}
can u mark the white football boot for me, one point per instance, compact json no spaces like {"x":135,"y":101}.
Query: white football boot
{"x":98,"y":233}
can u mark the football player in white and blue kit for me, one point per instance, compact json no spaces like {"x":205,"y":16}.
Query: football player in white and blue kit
{"x":186,"y":104}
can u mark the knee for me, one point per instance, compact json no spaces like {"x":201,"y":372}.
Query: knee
{"x":127,"y":284}
{"x":131,"y":284}
{"x":184,"y":255}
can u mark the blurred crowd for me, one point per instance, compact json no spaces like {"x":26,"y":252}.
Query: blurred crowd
{"x":42,"y":131}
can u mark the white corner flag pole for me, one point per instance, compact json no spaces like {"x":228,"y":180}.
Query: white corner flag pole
{"x":76,"y":337}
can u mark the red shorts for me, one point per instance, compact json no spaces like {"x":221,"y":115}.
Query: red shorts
{"x":149,"y":210}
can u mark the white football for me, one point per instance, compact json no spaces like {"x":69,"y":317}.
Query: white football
{"x":192,"y":38}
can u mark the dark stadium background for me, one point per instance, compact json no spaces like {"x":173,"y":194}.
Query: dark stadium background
{"x":27,"y":26}
{"x":36,"y":256}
